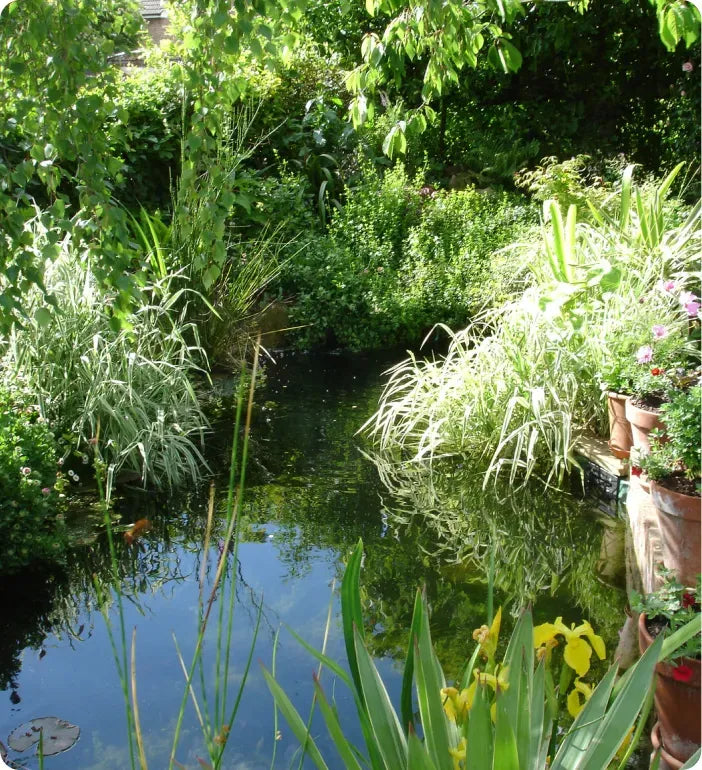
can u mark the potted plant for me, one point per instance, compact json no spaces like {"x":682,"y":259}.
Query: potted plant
{"x":674,"y":465}
{"x":677,"y":695}
{"x":616,"y":383}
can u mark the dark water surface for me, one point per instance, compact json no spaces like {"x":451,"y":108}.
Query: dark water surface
{"x":310,"y":495}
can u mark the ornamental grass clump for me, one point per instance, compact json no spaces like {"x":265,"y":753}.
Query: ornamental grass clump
{"x":521,"y":384}
{"x":127,"y":394}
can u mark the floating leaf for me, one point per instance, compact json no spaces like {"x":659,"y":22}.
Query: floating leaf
{"x":58,"y":735}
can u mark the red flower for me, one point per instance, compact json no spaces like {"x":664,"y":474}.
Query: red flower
{"x":682,"y":673}
{"x":635,"y":470}
{"x":656,"y":371}
{"x":689,"y":600}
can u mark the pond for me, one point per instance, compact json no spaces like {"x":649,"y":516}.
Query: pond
{"x":311,"y":493}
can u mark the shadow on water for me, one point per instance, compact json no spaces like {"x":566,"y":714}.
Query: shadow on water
{"x":311,"y":493}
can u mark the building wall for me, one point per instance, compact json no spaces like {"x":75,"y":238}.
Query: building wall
{"x":158,"y":29}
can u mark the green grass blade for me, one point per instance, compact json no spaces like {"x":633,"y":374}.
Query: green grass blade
{"x":383,"y":719}
{"x":294,"y":720}
{"x":342,"y":744}
{"x":479,"y":737}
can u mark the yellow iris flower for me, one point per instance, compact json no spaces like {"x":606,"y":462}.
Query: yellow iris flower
{"x":458,"y":754}
{"x":573,"y":702}
{"x":577,"y":651}
{"x":487,"y":637}
{"x":458,"y":704}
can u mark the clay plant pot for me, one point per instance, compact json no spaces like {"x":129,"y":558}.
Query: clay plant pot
{"x":642,"y":422}
{"x":677,"y":703}
{"x":666,"y":762}
{"x":620,"y":438}
{"x":679,"y":517}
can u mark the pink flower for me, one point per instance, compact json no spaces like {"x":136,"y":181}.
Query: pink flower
{"x":693,"y":308}
{"x":644,"y":355}
{"x":667,"y":286}
{"x":25,"y":471}
{"x":686,"y":297}
{"x":682,"y":673}
{"x":659,"y":332}
{"x":46,"y":491}
{"x":687,"y":66}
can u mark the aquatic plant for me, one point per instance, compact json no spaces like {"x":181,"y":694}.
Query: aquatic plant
{"x":503,"y":713}
{"x":215,"y":706}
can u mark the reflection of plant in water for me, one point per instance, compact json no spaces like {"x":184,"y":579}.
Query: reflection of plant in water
{"x":544,"y":542}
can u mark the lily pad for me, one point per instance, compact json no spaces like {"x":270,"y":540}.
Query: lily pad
{"x":58,"y":735}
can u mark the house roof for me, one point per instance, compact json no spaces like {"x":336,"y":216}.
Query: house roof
{"x":152,"y":9}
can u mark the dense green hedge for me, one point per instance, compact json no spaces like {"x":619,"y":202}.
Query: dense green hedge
{"x":399,"y":258}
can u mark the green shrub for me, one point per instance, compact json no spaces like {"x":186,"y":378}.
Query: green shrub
{"x":30,"y":528}
{"x":147,"y":136}
{"x":399,"y":258}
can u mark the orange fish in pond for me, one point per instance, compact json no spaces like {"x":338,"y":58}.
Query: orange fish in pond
{"x":137,"y":530}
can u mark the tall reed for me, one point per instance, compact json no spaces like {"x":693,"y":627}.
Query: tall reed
{"x":214,"y":705}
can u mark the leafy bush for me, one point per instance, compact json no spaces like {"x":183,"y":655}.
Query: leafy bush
{"x":125,"y":394}
{"x":398,"y":258}
{"x":30,"y":528}
{"x":520,"y":384}
{"x":146,"y":134}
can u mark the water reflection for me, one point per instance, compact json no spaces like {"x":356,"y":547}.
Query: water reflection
{"x":310,"y":495}
{"x":547,"y":543}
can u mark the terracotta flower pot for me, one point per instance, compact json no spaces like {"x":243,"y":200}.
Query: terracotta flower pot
{"x":642,"y":422}
{"x":679,"y":519}
{"x":667,"y":762}
{"x":677,"y":702}
{"x":620,"y":438}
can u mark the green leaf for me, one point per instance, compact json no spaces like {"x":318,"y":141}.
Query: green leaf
{"x":479,"y":737}
{"x":621,"y":715}
{"x":332,"y":721}
{"x":293,"y":719}
{"x":417,"y":757}
{"x":351,"y":611}
{"x":43,"y":316}
{"x":406,"y":710}
{"x":386,"y":727}
{"x":585,"y":726}
{"x":506,"y":756}
{"x":430,"y":681}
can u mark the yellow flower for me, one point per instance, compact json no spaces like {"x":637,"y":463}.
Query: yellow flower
{"x":487,"y":637}
{"x":577,"y":652}
{"x":458,"y":704}
{"x":458,"y":754}
{"x":575,"y":705}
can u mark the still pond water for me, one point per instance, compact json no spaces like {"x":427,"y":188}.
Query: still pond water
{"x":311,"y":493}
